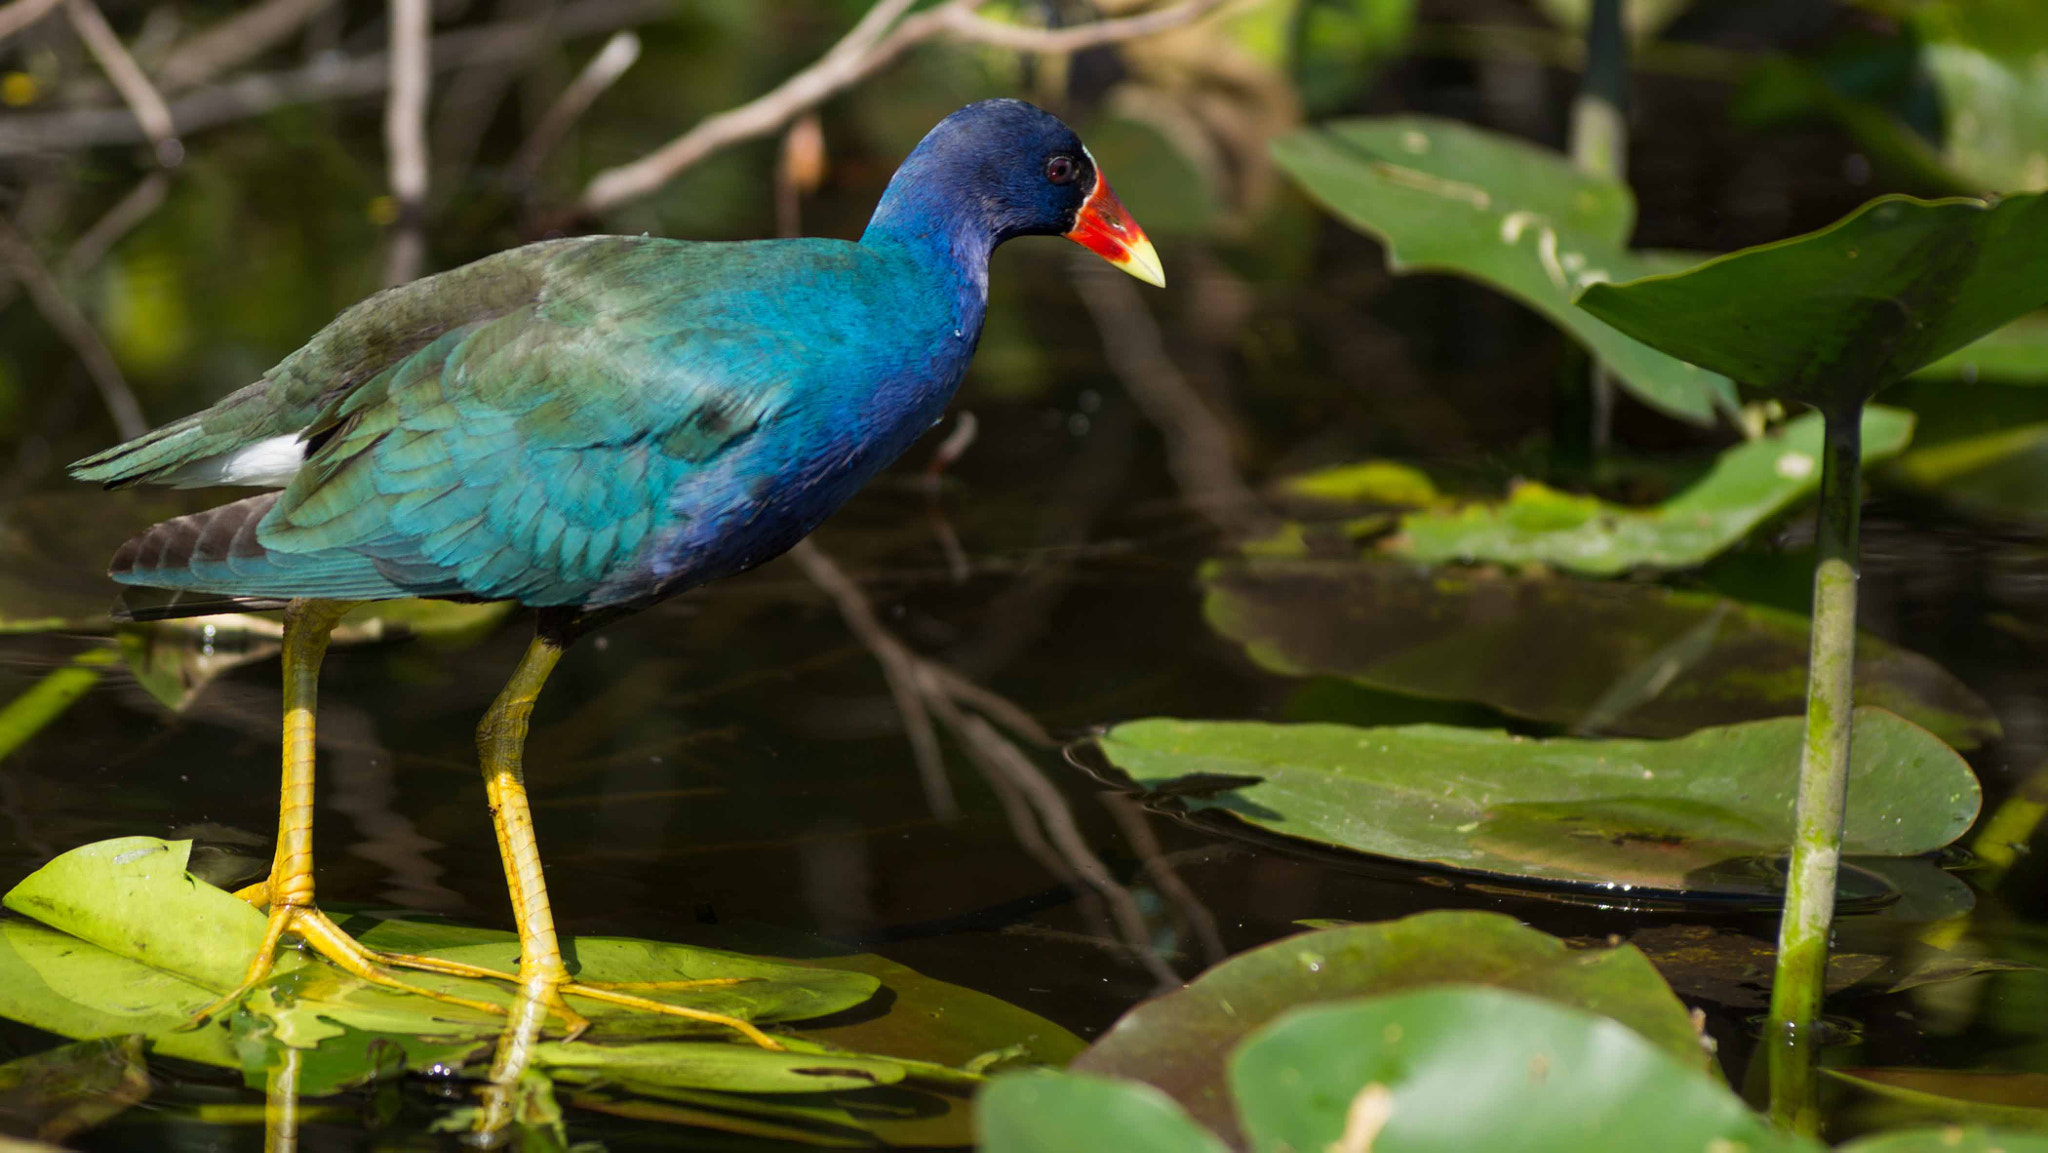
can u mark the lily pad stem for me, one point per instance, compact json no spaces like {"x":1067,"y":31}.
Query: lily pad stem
{"x":1823,"y":782}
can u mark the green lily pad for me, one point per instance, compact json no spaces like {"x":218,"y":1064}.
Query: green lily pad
{"x":1656,"y":814}
{"x":1058,"y":1112}
{"x":63,"y":985}
{"x":1593,"y":656}
{"x":1832,"y":316}
{"x":2009,"y":1100}
{"x":1445,"y":196}
{"x":1180,"y":1041}
{"x":1477,"y":1068}
{"x":1748,"y":485}
{"x":731,"y":1068}
{"x":51,"y":1095}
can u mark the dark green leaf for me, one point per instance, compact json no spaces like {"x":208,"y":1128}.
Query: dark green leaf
{"x":1179,"y":1042}
{"x":1832,"y":316}
{"x":1468,"y":1068}
{"x":1061,"y":1112}
{"x":1659,"y":814}
{"x":1445,"y":196}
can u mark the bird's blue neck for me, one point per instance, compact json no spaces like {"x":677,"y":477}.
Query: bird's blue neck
{"x":940,"y":233}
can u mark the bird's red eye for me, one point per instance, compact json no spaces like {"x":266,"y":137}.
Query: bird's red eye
{"x":1060,"y":170}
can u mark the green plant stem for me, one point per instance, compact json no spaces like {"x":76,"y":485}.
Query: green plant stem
{"x":1823,"y":783}
{"x":27,"y":714}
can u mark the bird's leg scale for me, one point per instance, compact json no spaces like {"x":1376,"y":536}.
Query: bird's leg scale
{"x":543,"y":978}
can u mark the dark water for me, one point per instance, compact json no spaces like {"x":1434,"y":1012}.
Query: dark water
{"x":734,"y":756}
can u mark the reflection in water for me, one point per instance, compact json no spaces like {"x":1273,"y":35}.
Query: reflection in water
{"x":359,"y":776}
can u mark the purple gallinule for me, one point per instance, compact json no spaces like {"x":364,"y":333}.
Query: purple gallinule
{"x":587,"y":426}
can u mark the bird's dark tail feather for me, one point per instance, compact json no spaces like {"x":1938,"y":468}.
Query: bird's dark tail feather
{"x":151,"y":604}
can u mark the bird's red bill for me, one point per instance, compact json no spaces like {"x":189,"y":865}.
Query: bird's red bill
{"x":1105,"y":229}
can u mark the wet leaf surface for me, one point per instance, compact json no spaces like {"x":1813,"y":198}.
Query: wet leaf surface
{"x":1447,"y":197}
{"x":1593,"y":656}
{"x":1540,"y":525}
{"x":50,"y":1096}
{"x":1832,"y":316}
{"x":927,"y":1039}
{"x":1059,"y":1112}
{"x":1180,"y":1041}
{"x":1610,"y":813}
{"x":1469,"y":1068}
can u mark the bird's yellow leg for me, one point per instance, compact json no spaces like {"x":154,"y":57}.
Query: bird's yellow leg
{"x":543,"y":978}
{"x":288,"y":890}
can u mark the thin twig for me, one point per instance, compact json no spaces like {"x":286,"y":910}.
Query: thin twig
{"x":241,"y":37}
{"x":142,"y":98}
{"x":859,"y":54}
{"x":604,"y":70}
{"x":22,"y":13}
{"x":405,"y":137}
{"x":324,"y":79}
{"x":63,"y":316}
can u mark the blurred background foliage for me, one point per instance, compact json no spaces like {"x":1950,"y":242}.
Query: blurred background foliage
{"x":1751,"y":121}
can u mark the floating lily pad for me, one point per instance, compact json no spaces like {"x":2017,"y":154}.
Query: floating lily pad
{"x":1748,"y":485}
{"x":1062,"y":1112}
{"x":1180,"y":1041}
{"x":1832,"y":316}
{"x":1475,"y":1068}
{"x":1593,"y":656}
{"x":1447,"y":197}
{"x":1657,"y":814}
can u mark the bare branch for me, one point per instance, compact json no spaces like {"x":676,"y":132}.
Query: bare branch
{"x":324,"y":79}
{"x":405,"y":137}
{"x":861,"y":53}
{"x":967,"y":25}
{"x":22,"y":13}
{"x":142,"y":97}
{"x":63,"y":316}
{"x":611,"y":62}
{"x":241,"y":37}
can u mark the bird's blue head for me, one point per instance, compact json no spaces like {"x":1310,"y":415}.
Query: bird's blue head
{"x":1004,"y":168}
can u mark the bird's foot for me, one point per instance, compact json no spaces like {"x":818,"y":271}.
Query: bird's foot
{"x":324,"y":937}
{"x":610,"y":993}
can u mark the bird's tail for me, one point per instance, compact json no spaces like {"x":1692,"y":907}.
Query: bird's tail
{"x":154,"y":452}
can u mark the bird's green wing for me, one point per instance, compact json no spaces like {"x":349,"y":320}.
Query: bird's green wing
{"x":362,"y":342}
